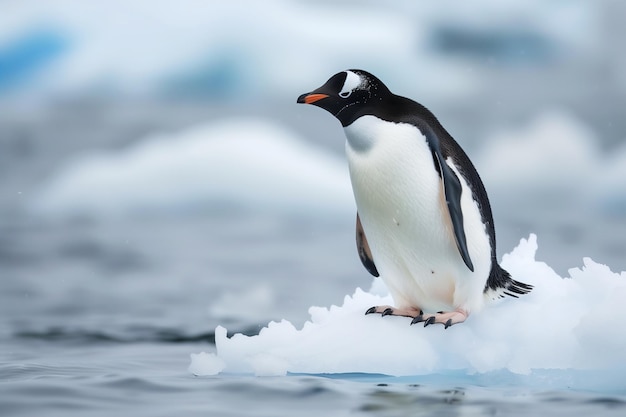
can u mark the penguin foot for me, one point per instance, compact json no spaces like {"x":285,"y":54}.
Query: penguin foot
{"x":392,"y":311}
{"x":447,"y":319}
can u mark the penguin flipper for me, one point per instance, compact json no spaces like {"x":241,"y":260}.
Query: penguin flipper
{"x":364,"y":248}
{"x":452,"y":191}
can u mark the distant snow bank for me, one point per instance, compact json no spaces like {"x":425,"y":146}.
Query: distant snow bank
{"x":558,"y":157}
{"x":259,"y":163}
{"x":241,"y":162}
{"x":565,"y":324}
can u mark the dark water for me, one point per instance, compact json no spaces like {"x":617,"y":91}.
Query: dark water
{"x":149,"y":379}
{"x":99,"y":316}
{"x":79,"y":375}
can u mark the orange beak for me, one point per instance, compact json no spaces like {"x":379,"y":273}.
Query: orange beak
{"x":312,"y":98}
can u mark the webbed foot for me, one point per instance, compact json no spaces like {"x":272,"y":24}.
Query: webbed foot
{"x":445,"y":318}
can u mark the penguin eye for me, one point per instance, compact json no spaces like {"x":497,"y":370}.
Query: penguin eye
{"x":351,"y":83}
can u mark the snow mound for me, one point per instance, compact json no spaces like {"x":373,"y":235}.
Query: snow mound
{"x":555,"y":157}
{"x":564,"y":324}
{"x":246,"y":162}
{"x":553,"y":153}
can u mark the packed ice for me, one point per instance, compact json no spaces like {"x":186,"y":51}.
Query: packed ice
{"x":566,"y":323}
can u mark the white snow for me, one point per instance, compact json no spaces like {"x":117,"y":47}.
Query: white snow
{"x":242,"y":162}
{"x":567,"y":323}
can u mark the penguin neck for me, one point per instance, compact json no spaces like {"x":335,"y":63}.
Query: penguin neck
{"x":367,"y":125}
{"x":362,"y":134}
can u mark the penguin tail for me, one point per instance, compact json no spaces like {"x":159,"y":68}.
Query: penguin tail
{"x":500,"y":284}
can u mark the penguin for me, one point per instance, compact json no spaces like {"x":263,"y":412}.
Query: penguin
{"x":424,"y":223}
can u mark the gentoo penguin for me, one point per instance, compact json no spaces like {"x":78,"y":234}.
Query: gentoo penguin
{"x":423,"y":221}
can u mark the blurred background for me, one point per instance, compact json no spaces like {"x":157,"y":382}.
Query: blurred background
{"x":157,"y":177}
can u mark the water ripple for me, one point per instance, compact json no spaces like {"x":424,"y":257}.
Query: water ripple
{"x":131,"y":334}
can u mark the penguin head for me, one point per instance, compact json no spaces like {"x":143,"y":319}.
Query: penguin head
{"x":348,"y":95}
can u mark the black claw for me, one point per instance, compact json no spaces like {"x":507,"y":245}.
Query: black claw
{"x":448,"y":324}
{"x":388,"y":312}
{"x":370,"y":310}
{"x":430,"y":320}
{"x":417,"y":319}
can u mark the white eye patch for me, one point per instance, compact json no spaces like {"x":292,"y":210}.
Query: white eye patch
{"x":353,"y":81}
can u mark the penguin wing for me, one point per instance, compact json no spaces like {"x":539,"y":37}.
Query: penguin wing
{"x":452,"y":191}
{"x":364,"y":248}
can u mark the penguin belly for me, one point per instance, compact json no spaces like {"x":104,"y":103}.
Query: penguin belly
{"x":401,"y":204}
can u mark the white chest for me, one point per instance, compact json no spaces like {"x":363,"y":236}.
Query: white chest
{"x":400,"y":200}
{"x":393,"y":177}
